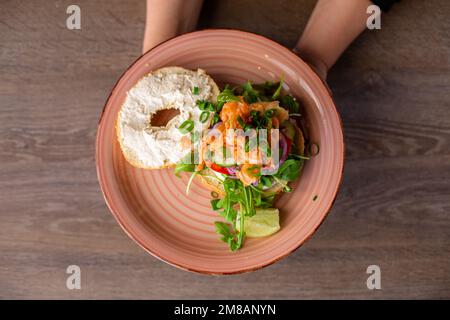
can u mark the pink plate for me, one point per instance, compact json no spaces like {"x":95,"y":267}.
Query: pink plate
{"x":151,"y":206}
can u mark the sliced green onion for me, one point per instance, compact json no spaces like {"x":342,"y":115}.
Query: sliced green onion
{"x":186,"y":126}
{"x":195,"y":90}
{"x":201,"y":104}
{"x":214,"y":194}
{"x":204,"y":116}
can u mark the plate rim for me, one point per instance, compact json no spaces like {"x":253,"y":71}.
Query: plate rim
{"x":322,"y":87}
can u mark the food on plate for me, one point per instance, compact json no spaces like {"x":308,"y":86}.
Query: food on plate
{"x":153,"y":146}
{"x":245,"y":143}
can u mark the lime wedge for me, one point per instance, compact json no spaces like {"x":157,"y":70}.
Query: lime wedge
{"x":264,"y":223}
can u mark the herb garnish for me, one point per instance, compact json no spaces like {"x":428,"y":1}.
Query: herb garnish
{"x":186,"y":126}
{"x":204,"y":116}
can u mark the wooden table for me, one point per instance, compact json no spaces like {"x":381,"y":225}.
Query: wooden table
{"x":392,"y":88}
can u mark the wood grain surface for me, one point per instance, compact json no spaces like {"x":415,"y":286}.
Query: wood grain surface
{"x":392,"y":88}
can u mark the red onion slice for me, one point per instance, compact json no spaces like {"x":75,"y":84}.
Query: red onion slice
{"x":284,"y":147}
{"x":232,"y":170}
{"x":216,"y":125}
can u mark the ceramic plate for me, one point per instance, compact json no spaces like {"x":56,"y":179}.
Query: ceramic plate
{"x":152,"y":207}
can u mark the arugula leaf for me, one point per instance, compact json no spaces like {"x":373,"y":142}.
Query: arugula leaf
{"x":259,"y":120}
{"x":267,"y":202}
{"x":290,"y":170}
{"x":246,"y":203}
{"x":184,"y":167}
{"x":249,"y":93}
{"x":187,"y":164}
{"x":230,"y":199}
{"x":262,"y":201}
{"x":277,"y":92}
{"x":216,"y":204}
{"x":290,"y":103}
{"x":205,"y":105}
{"x":266,"y":89}
{"x":266,"y":181}
{"x":204,"y":116}
{"x":235,"y":194}
{"x":229,"y":214}
{"x":226,"y":95}
{"x":233,"y":239}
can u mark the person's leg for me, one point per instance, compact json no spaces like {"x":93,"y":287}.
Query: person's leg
{"x":168,"y":18}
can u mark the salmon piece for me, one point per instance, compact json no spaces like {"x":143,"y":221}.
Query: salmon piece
{"x":231,"y":111}
{"x":248,"y":174}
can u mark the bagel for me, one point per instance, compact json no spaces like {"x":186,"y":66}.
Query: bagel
{"x":149,"y":146}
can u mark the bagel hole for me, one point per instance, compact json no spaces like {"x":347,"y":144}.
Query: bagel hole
{"x":162,"y":117}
